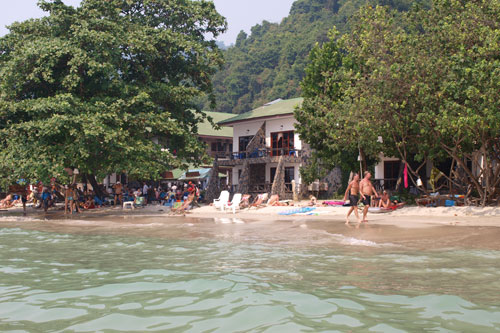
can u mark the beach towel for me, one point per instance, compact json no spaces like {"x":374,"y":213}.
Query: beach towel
{"x":297,"y":211}
{"x":334,"y":203}
{"x":405,"y":172}
{"x":378,"y":210}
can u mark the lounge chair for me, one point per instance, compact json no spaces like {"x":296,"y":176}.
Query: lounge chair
{"x":234,"y":204}
{"x":245,"y":201}
{"x":139,"y":202}
{"x":223,"y":199}
{"x":259,"y":201}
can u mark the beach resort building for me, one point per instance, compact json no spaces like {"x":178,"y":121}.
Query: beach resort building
{"x":268,"y":150}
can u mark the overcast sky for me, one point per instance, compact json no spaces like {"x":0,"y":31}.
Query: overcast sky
{"x":240,"y":14}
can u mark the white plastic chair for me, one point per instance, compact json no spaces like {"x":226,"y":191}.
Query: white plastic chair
{"x":128,"y":204}
{"x":234,"y":204}
{"x":223,"y":199}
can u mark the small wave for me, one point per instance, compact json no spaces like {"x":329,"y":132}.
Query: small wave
{"x":14,"y":218}
{"x":345,"y":240}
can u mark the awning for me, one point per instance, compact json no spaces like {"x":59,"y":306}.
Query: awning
{"x":172,"y":175}
{"x":191,"y":174}
{"x":195,"y":174}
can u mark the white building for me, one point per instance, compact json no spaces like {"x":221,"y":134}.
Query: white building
{"x":260,"y":138}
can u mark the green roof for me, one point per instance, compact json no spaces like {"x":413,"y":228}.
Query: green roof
{"x":206,"y":128}
{"x":276,"y":108}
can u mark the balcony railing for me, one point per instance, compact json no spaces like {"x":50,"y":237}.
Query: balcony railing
{"x":265,"y":152}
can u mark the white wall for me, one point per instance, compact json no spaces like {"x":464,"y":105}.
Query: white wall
{"x":244,"y":129}
{"x":282,"y":125}
{"x":236,"y":180}
{"x":274,"y":125}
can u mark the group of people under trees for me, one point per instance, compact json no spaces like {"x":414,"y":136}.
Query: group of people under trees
{"x":187,"y":193}
{"x":364,"y":190}
{"x":76,"y":200}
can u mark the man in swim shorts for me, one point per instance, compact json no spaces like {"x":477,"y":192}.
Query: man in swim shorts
{"x":118,"y":187}
{"x":367,"y":190}
{"x":353,"y":190}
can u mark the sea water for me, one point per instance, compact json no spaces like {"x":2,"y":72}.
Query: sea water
{"x":233,"y":276}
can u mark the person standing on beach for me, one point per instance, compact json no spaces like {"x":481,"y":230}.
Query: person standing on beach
{"x":118,"y":192}
{"x":366,"y":190}
{"x":46,"y":198}
{"x":68,"y":197}
{"x":145,"y":189}
{"x":353,"y":190}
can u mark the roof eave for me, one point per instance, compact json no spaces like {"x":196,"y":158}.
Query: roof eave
{"x":230,"y":123}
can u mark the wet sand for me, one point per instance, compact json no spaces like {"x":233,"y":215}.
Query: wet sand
{"x":407,"y":228}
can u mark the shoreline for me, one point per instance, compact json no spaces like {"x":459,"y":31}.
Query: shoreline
{"x":406,"y":217}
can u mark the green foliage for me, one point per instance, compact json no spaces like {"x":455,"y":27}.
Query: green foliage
{"x":425,"y":81}
{"x":270,"y":62}
{"x":92,"y":87}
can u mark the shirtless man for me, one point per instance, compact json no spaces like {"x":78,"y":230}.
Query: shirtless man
{"x":353,"y":190}
{"x":118,"y":187}
{"x":366,"y":190}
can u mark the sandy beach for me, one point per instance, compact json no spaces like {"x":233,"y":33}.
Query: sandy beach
{"x":409,"y":227}
{"x":406,"y":217}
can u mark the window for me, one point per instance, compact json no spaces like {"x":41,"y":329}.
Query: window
{"x":273,"y":173}
{"x":391,"y":169}
{"x":243,"y":142}
{"x":282,"y":143}
{"x":214,"y":146}
{"x":289,"y":174}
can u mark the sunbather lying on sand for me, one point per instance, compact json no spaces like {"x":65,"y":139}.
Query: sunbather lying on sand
{"x":313,"y":201}
{"x":7,"y":202}
{"x":275,"y":201}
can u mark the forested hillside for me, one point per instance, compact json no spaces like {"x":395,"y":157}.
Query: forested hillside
{"x":269,"y":63}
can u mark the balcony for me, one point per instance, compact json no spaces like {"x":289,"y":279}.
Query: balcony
{"x":262,"y":155}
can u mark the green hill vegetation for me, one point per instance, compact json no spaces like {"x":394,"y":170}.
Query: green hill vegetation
{"x":269,"y":63}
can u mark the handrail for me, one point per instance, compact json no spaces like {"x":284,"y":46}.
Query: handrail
{"x":264,"y":152}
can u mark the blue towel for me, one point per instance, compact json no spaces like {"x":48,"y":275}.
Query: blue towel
{"x":297,"y":211}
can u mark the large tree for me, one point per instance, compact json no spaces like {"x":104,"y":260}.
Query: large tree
{"x":98,"y":86}
{"x":425,"y":81}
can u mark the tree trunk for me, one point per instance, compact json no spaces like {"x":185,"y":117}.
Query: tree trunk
{"x":95,"y":185}
{"x":400,"y":176}
{"x":362,"y":157}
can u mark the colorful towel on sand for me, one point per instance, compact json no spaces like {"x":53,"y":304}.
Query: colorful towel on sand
{"x":377,"y":210}
{"x":297,"y":211}
{"x":334,"y":203}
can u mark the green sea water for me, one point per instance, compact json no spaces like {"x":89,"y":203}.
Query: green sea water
{"x":60,"y":280}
